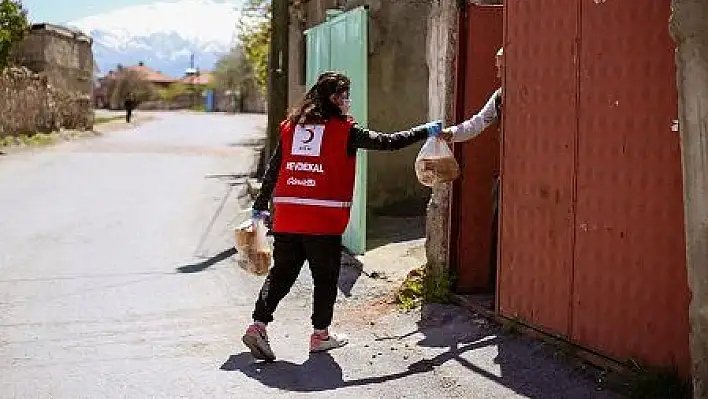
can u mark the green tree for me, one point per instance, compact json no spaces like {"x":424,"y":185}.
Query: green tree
{"x":254,"y":34}
{"x":233,"y":71}
{"x":173,"y":91}
{"x":13,"y":27}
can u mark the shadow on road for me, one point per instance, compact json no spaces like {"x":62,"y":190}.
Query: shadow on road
{"x":350,"y":271}
{"x":522,"y":367}
{"x":527,"y":367}
{"x":198,"y":267}
{"x":234,"y":179}
{"x":382,"y":230}
{"x":319,"y":373}
{"x":322,"y":373}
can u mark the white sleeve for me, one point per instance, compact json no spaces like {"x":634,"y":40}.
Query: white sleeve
{"x":472,"y":127}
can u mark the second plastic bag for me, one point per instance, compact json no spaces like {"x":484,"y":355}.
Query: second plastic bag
{"x":436,"y":163}
{"x":254,"y":253}
{"x":261,"y":257}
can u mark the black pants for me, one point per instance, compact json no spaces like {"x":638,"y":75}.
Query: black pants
{"x":128,"y":114}
{"x":291,"y":250}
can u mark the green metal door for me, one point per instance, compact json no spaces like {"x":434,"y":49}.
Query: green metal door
{"x":340,"y":44}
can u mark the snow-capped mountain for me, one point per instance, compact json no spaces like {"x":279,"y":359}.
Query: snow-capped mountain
{"x":163,"y":35}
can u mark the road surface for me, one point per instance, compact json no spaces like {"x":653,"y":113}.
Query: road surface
{"x":117,"y":281}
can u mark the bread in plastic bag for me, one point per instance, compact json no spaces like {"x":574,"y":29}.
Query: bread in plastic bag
{"x":254,"y":253}
{"x":436,"y":163}
{"x":245,"y":237}
{"x":261,"y":257}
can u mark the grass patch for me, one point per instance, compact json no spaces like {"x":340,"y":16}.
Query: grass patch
{"x":511,"y":326}
{"x":42,"y":139}
{"x":106,"y":119}
{"x":31,"y":140}
{"x":410,"y":294}
{"x":653,"y":383}
{"x":437,"y":287}
{"x":419,"y":288}
{"x":7,"y":141}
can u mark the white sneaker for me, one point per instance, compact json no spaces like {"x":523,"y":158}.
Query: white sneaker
{"x":256,"y":339}
{"x":320,"y":342}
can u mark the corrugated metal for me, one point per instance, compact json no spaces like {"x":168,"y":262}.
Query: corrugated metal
{"x":630,"y":291}
{"x":478,"y":158}
{"x":540,"y":125}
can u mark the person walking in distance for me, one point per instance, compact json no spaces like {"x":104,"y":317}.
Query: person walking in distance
{"x":310,"y":179}
{"x":129,"y":105}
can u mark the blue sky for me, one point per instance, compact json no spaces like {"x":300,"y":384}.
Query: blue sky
{"x":60,"y":11}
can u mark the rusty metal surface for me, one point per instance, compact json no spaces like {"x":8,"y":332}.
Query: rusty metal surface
{"x":479,"y":158}
{"x":630,"y":294}
{"x":540,"y":124}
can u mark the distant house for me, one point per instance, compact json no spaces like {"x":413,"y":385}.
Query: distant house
{"x":157,"y":78}
{"x":198,"y":79}
{"x":101,"y":92}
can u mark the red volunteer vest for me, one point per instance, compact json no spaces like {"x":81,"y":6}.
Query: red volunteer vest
{"x":313,"y":194}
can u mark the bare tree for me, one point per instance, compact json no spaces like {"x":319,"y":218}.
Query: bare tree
{"x":125,"y":83}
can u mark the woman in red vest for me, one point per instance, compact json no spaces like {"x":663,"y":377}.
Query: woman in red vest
{"x":311,"y":182}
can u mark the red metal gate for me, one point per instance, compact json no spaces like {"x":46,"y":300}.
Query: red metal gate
{"x":538,"y":165}
{"x":480,"y":38}
{"x":630,"y":293}
{"x":592,"y":238}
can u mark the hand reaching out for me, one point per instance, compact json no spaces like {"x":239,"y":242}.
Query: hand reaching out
{"x":446,"y":134}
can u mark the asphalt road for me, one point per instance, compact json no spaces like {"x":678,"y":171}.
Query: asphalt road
{"x":117,"y":281}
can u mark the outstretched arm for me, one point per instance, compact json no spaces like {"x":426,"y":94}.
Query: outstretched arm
{"x":371,"y":140}
{"x":474,"y":126}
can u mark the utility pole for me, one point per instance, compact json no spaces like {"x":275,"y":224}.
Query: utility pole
{"x":688,"y":27}
{"x":277,"y":76}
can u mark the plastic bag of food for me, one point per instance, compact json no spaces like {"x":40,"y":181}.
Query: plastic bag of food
{"x":436,"y":163}
{"x":261,"y":256}
{"x":245,"y":236}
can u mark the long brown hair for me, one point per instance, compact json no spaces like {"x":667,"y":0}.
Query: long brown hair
{"x":316,"y":106}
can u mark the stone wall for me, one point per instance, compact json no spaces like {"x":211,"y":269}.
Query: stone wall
{"x":62,"y":55}
{"x":52,"y":89}
{"x":28,"y":104}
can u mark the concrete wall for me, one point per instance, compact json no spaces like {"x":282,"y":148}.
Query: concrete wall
{"x":689,"y":29}
{"x":64,"y":56}
{"x":398,"y":99}
{"x":398,"y":91}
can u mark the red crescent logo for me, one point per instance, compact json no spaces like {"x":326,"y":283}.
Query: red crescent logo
{"x":309,"y":139}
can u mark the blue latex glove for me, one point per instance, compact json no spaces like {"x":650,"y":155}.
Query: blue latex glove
{"x":257,"y":215}
{"x":434,"y":128}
